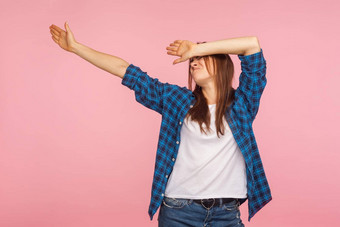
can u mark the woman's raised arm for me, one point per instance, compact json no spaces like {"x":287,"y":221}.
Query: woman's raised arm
{"x":109,"y":63}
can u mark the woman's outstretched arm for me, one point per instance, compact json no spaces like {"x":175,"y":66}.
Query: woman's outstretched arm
{"x":65,"y":39}
{"x":109,"y":63}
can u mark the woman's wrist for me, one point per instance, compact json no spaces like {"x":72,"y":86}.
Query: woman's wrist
{"x":75,"y":47}
{"x":196,"y":50}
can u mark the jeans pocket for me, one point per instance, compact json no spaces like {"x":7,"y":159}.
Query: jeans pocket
{"x":174,"y":203}
{"x":232,"y":206}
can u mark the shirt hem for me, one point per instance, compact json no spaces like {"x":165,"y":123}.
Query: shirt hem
{"x":204,"y":197}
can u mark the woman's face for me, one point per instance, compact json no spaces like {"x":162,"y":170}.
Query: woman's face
{"x":199,"y":70}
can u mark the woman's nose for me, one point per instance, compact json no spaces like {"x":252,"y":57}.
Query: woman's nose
{"x":193,"y":63}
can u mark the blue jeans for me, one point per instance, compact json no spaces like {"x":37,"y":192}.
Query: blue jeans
{"x":178,"y":212}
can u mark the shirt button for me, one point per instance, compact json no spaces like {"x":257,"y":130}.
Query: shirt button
{"x":162,"y":194}
{"x":173,"y":159}
{"x":166,"y":176}
{"x":177,"y":142}
{"x":180,"y":122}
{"x":191,"y":106}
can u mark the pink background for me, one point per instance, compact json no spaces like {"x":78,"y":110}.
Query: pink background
{"x":78,"y":150}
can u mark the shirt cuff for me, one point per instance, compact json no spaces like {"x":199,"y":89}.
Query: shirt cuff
{"x":252,"y":62}
{"x":131,"y":76}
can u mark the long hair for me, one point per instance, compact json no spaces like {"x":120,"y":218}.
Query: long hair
{"x":223,"y":77}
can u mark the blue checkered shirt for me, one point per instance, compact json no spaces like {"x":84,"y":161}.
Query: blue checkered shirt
{"x":173,"y":103}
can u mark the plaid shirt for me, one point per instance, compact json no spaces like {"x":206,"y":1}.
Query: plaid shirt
{"x":173,"y":103}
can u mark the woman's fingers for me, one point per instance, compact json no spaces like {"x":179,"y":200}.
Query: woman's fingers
{"x":172,"y":53}
{"x":56,"y":28}
{"x":172,"y":48}
{"x":54,"y":32}
{"x":177,"y":61}
{"x":55,"y":35}
{"x":55,"y":40}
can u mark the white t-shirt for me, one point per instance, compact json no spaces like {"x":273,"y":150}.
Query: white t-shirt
{"x":207,"y":166}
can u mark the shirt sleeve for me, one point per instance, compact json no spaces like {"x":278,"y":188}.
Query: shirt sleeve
{"x":252,"y":81}
{"x":148,"y":91}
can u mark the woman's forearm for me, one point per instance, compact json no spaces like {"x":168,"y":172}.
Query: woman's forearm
{"x":240,"y":46}
{"x":109,"y":63}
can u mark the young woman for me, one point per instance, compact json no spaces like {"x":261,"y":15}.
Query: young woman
{"x":207,"y":160}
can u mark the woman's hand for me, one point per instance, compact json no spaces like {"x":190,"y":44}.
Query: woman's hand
{"x":183,"y":48}
{"x":64,"y":39}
